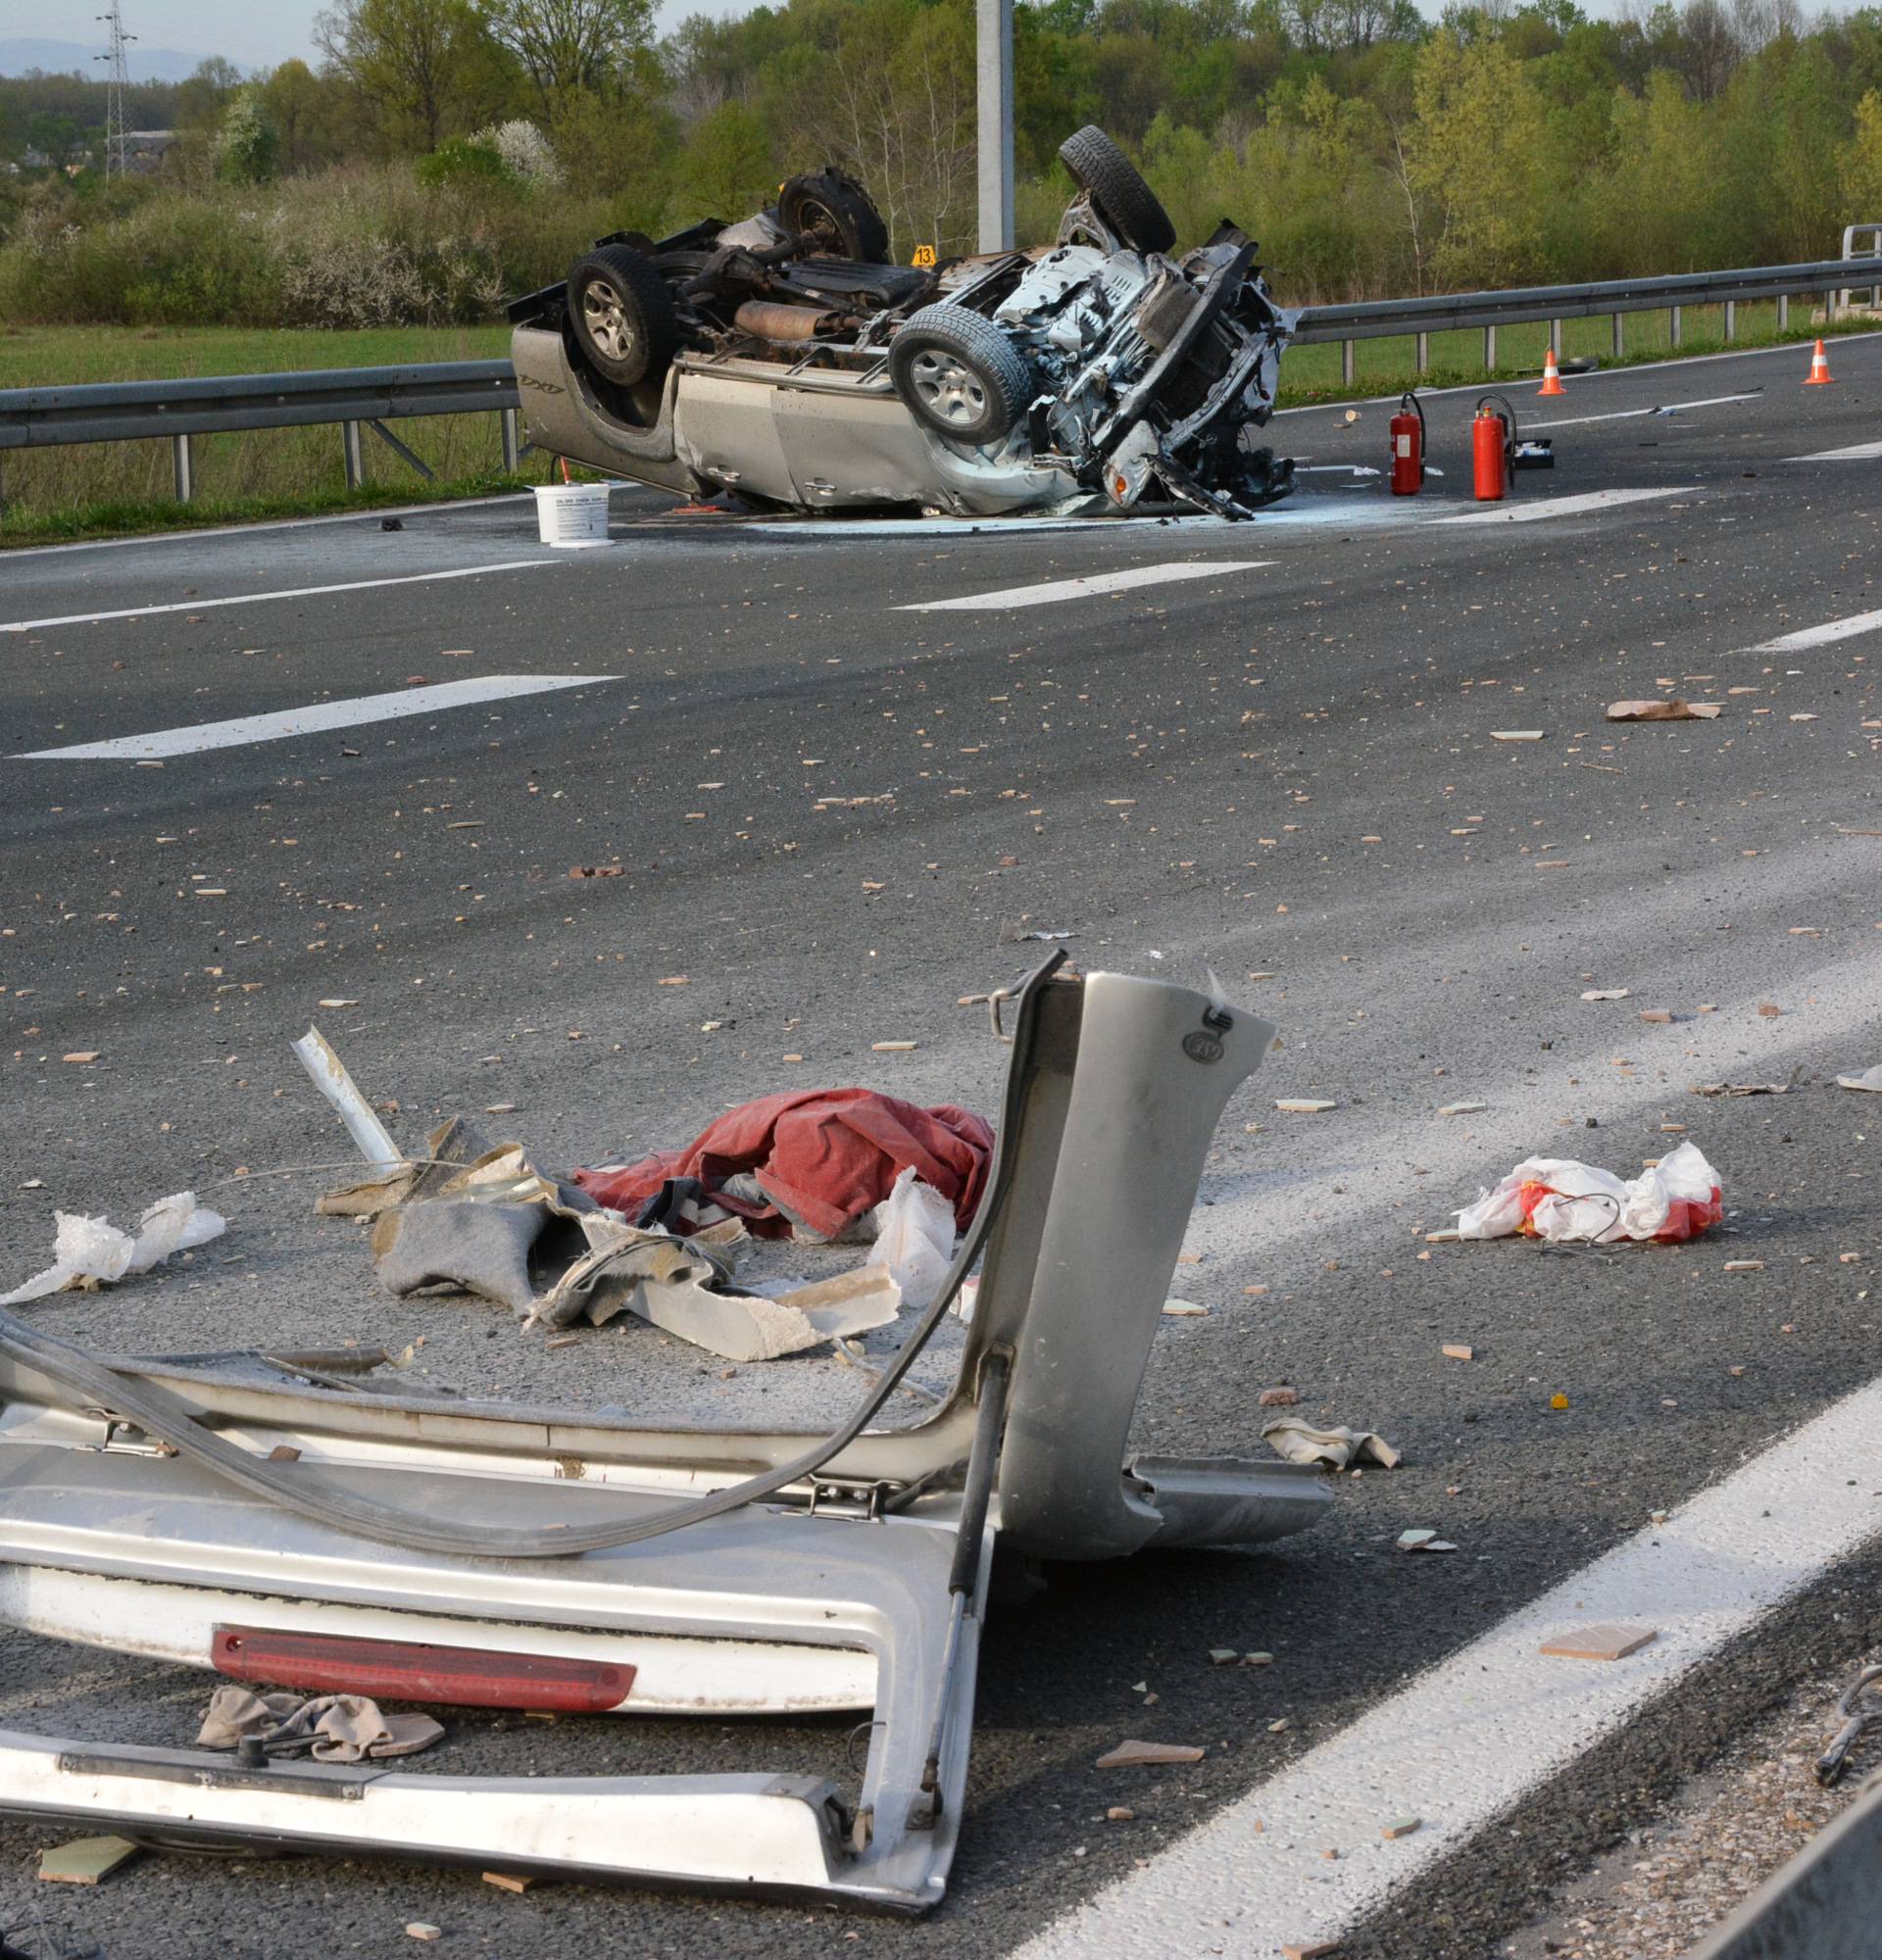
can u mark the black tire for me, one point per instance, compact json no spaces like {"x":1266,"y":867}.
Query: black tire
{"x":837,"y":215}
{"x":1125,"y":201}
{"x":958,"y":375}
{"x":624,"y":317}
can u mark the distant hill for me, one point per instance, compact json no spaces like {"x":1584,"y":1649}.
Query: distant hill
{"x":18,"y":55}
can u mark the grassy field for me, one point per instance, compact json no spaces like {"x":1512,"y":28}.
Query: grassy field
{"x":111,"y":489}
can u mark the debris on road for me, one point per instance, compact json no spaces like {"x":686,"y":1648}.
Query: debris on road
{"x":1277,"y":1398}
{"x":1604,"y":1642}
{"x":1185,"y":1309}
{"x":331,"y":1728}
{"x":1672,"y":709}
{"x":1304,"y":1105}
{"x":1463,"y":1109}
{"x":1400,"y":1826}
{"x":84,"y":1861}
{"x":1744,"y":1265}
{"x":1606,"y":993}
{"x":1871,"y":1079}
{"x":82,"y":1054}
{"x":1420,"y":1540}
{"x":1299,"y":1441}
{"x":915,"y":1234}
{"x":1132,"y":1755}
{"x":1567,"y":1201}
{"x":1861,"y":1710}
{"x":1740,"y":1088}
{"x":91,"y":1253}
{"x":1456,"y":1351}
{"x":1517,"y":734}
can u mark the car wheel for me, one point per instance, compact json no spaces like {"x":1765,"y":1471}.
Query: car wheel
{"x":1125,"y":201}
{"x":959,"y":374}
{"x":622,"y":315}
{"x":836,"y":215}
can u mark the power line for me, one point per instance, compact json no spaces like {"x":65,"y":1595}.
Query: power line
{"x":117,"y":82}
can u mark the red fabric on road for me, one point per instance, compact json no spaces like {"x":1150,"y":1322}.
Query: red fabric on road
{"x":829,"y":1155}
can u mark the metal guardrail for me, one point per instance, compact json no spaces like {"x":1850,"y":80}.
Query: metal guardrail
{"x":356,"y":398}
{"x":1445,"y":312}
{"x":362,"y":398}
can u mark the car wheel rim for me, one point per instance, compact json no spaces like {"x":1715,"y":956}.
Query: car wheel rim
{"x":607,"y":321}
{"x":948,"y":389}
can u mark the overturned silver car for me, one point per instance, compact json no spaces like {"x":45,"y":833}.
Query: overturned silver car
{"x":780,"y":359}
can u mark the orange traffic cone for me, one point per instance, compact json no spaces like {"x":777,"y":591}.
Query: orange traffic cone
{"x":1551,"y":376}
{"x":1820,"y":375}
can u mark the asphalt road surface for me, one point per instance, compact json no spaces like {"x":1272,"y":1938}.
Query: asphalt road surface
{"x":836,"y":796}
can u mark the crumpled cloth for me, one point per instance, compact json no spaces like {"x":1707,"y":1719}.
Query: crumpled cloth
{"x":822,"y":1158}
{"x":90,"y":1252}
{"x":336,"y":1727}
{"x":1569,"y":1201}
{"x":1301,"y":1442}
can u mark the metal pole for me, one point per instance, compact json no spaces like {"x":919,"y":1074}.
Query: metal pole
{"x":1347,"y":361}
{"x":351,"y":450}
{"x":1424,"y":354}
{"x":181,"y":462}
{"x":1489,"y":350}
{"x":1620,"y":338}
{"x":1673,"y":323}
{"x":993,"y":22}
{"x":1731,"y":317}
{"x":512,"y":442}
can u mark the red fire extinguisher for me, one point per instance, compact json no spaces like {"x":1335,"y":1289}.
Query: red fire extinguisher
{"x":1408,"y":447}
{"x":1493,"y":443}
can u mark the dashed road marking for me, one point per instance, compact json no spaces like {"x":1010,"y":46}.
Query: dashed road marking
{"x":1094,"y":586}
{"x":1581,"y":505}
{"x":256,"y":597}
{"x":316,"y":718}
{"x":1469,"y":1738}
{"x":1857,"y":452}
{"x":1824,"y":635}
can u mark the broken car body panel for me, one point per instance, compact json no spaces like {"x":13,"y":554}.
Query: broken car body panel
{"x":858,"y":1584}
{"x":1076,"y":377}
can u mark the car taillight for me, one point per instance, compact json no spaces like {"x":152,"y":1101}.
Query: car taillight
{"x":416,"y":1671}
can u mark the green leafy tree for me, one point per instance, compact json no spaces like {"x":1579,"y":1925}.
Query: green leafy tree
{"x":248,"y":146}
{"x":569,"y":47}
{"x":417,"y":63}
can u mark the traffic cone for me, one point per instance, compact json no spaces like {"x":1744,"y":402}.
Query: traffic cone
{"x":1551,"y":376}
{"x":1820,"y":375}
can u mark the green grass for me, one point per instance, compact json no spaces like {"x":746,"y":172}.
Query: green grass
{"x":118,"y":489}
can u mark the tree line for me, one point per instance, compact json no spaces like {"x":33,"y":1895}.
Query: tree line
{"x":1371,"y":150}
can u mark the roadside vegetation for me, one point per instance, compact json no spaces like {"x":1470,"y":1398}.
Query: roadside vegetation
{"x":442,"y":154}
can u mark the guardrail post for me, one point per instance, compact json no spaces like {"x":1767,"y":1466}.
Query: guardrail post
{"x":1424,"y":354}
{"x":1783,"y":312}
{"x":1489,"y":350}
{"x":1731,"y":319}
{"x":512,"y":442}
{"x":1674,"y":314}
{"x":351,"y":449}
{"x":1620,"y":337}
{"x":181,"y":467}
{"x":1346,"y":363}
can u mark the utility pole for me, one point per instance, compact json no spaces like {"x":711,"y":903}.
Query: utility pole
{"x":993,"y":27}
{"x":117,"y":80}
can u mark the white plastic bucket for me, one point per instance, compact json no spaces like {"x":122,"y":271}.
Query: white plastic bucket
{"x":573,"y":517}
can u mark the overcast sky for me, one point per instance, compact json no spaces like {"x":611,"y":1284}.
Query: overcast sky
{"x":249,"y":35}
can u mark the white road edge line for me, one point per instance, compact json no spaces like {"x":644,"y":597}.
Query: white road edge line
{"x":1824,"y":635}
{"x":1660,"y":408}
{"x":1473,"y":1736}
{"x":1563,"y":506}
{"x":1094,"y":586}
{"x":256,"y":597}
{"x":316,"y":719}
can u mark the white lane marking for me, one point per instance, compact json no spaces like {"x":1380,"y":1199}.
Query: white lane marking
{"x":1597,"y":375}
{"x":1473,"y":1734}
{"x":1824,"y":635}
{"x":1092,"y":587}
{"x":1857,"y":452}
{"x":256,"y":598}
{"x":365,"y":518}
{"x":1563,"y":506}
{"x":1661,"y":409}
{"x":316,"y":719}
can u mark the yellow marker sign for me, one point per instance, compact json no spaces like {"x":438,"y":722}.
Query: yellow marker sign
{"x":923,"y":256}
